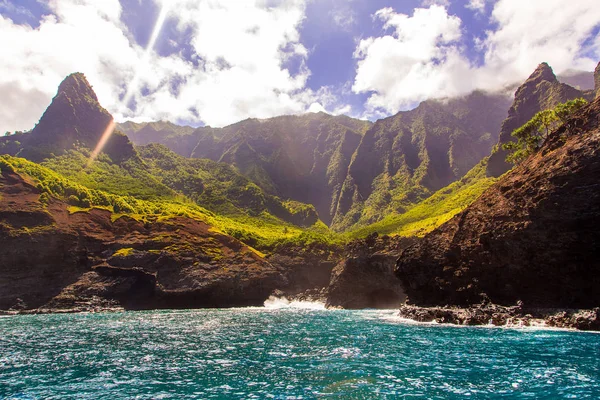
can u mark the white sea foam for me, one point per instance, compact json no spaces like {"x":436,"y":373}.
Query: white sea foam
{"x":282,"y":302}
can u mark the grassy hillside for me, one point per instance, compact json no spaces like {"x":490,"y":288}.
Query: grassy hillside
{"x":219,"y":187}
{"x":263,"y":231}
{"x":433,"y":211}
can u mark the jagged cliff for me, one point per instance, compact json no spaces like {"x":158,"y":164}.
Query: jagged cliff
{"x":74,"y":118}
{"x":180,"y":139}
{"x":303,"y":158}
{"x":348,"y":175}
{"x":53,"y":258}
{"x":405,"y":158}
{"x":541,"y":91}
{"x":533,"y":236}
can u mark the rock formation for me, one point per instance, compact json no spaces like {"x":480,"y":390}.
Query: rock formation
{"x":74,"y":118}
{"x":364,"y":278}
{"x":533,"y":236}
{"x":54,"y":259}
{"x":540,"y":91}
{"x":405,"y":158}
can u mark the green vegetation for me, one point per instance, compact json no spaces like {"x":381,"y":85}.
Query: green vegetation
{"x":128,"y":178}
{"x":263,"y":231}
{"x":124,"y":252}
{"x":218,"y":187}
{"x":534,"y":132}
{"x":435,"y":210}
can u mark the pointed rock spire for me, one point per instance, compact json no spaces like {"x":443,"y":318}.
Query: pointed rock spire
{"x":75,"y":118}
{"x":540,"y":91}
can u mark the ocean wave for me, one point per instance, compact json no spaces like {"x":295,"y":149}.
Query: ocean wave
{"x":274,"y":302}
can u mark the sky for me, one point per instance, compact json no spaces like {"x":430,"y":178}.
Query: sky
{"x":216,"y":62}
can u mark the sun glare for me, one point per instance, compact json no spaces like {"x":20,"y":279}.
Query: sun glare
{"x":133,"y":86}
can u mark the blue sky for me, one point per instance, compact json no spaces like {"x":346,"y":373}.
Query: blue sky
{"x":216,"y":62}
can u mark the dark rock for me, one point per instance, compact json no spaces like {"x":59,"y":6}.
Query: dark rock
{"x":86,"y":261}
{"x":365,"y":278}
{"x":540,"y":91}
{"x":532,"y":236}
{"x":513,"y":316}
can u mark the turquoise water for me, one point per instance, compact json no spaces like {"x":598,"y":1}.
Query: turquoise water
{"x":286,"y":354}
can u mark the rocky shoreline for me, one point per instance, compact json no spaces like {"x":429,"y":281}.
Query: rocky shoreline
{"x":505,"y":316}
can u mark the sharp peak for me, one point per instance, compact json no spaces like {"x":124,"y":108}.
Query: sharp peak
{"x":543,"y":72}
{"x":77,"y":84}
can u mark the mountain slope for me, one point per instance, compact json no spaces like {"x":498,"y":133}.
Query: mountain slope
{"x":303,"y":158}
{"x":73,"y":119}
{"x":180,"y":139}
{"x":533,"y":236}
{"x":541,"y":91}
{"x":219,"y":187}
{"x":54,"y":257}
{"x":403,"y":159}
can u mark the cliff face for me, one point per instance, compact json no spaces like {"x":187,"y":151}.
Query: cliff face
{"x":405,"y":158}
{"x":74,"y":118}
{"x":54,"y":259}
{"x":533,"y":236}
{"x":540,"y":91}
{"x":364,"y":278}
{"x":180,"y":139}
{"x":304,"y":158}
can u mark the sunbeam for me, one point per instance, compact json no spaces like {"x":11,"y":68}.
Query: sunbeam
{"x":133,"y":85}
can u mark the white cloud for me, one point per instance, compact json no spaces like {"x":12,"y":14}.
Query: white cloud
{"x":242,"y":51}
{"x":427,"y":3}
{"x":412,"y":63}
{"x":424,"y":57}
{"x":316,"y":107}
{"x":477,"y":5}
{"x":343,"y":16}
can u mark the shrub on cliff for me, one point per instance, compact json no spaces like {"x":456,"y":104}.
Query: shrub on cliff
{"x":534,"y":132}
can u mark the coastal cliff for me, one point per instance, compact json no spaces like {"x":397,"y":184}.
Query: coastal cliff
{"x":532,"y":237}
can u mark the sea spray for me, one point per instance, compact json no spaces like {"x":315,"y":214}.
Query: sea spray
{"x":274,"y":302}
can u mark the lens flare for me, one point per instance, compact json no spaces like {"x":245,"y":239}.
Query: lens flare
{"x":102,"y":142}
{"x":133,"y":86}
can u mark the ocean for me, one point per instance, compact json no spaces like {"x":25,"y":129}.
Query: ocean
{"x":287,"y":351}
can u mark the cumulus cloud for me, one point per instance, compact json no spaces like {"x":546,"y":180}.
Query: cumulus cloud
{"x":424,"y":56}
{"x":427,"y":3}
{"x":411,"y":63}
{"x":238,"y":68}
{"x":476,"y":5}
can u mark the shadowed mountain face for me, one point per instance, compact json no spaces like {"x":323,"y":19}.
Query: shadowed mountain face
{"x":533,"y":236}
{"x":304,"y":158}
{"x":74,"y":118}
{"x":540,"y":91}
{"x":405,"y":158}
{"x":581,"y":80}
{"x":349,"y":176}
{"x":179,"y":139}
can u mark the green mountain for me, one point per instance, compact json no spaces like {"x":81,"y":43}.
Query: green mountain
{"x":541,"y":91}
{"x":153,"y":179}
{"x":354,"y":172}
{"x":304,"y":158}
{"x":405,"y":158}
{"x":220,"y":188}
{"x":180,"y":139}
